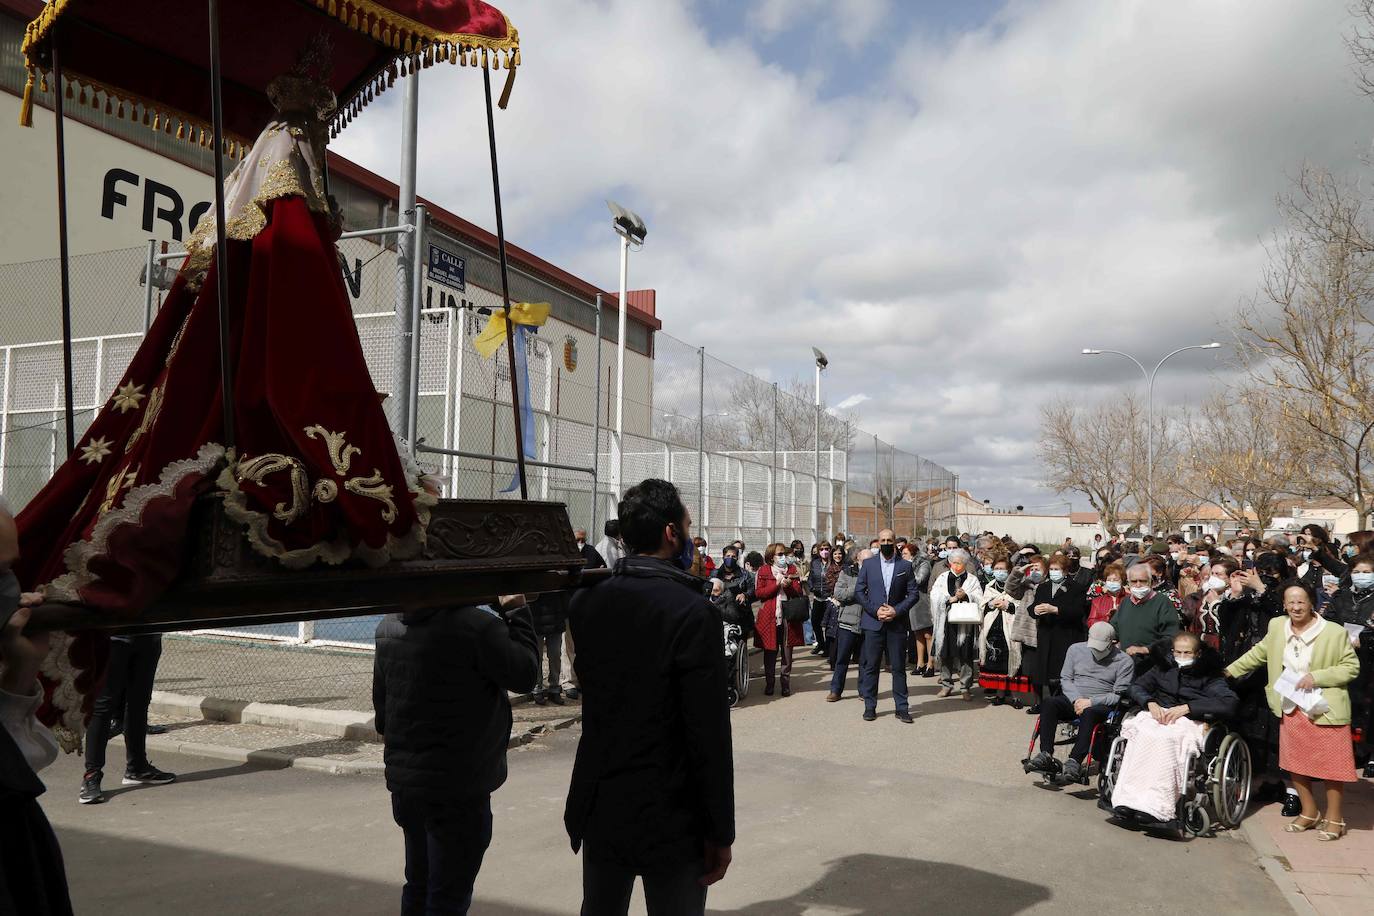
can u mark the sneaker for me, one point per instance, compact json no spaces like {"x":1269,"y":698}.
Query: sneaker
{"x":90,"y":789}
{"x":573,"y":693}
{"x":905,"y":717}
{"x":147,"y":775}
{"x":870,"y":715}
{"x":1042,"y":763}
{"x":557,"y":699}
{"x":1073,"y":771}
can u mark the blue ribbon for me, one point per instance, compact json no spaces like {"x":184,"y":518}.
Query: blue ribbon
{"x":522,"y":381}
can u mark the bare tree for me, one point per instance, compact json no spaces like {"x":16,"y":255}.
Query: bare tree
{"x":750,"y":422}
{"x":1092,"y":450}
{"x":1235,"y":458}
{"x":1308,"y":338}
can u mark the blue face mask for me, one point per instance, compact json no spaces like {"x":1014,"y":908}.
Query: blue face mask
{"x":1362,"y":580}
{"x":1056,"y":575}
{"x":944,"y":554}
{"x":1112,"y":586}
{"x":1000,"y":575}
{"x":688,"y":553}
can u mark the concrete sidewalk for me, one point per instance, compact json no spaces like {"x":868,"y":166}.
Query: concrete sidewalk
{"x":1329,"y":879}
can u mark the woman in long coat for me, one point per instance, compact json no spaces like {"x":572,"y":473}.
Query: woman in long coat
{"x":1060,"y":607}
{"x":956,"y":644}
{"x":777,"y":579}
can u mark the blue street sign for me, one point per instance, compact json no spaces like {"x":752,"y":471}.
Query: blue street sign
{"x":446,"y":268}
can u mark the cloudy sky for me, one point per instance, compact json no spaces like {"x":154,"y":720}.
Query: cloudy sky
{"x":951,"y":198}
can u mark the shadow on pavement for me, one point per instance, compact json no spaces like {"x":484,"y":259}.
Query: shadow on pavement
{"x":171,"y":879}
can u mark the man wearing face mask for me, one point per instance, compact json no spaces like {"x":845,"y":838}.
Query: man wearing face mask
{"x":1095,"y":676}
{"x":886,"y":591}
{"x":652,"y":793}
{"x":1145,"y":616}
{"x":1081,"y":575}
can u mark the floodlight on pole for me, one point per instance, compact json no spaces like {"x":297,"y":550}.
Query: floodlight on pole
{"x":821,"y":364}
{"x":630,"y":227}
{"x":1150,"y":417}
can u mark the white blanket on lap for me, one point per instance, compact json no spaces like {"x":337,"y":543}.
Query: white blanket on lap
{"x":1155,"y":764}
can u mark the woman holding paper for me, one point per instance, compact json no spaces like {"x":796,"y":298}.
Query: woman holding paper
{"x":1305,"y":654}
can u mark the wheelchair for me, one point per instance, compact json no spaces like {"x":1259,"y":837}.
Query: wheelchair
{"x":1216,"y":789}
{"x":737,"y":663}
{"x":1104,"y":733}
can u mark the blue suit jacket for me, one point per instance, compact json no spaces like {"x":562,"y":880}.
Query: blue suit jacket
{"x":869,"y":591}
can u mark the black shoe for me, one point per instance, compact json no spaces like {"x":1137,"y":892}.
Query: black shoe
{"x":768,"y":691}
{"x":157,"y":730}
{"x":1072,"y":772}
{"x":869,"y":715}
{"x":556,"y":699}
{"x":1292,"y":805}
{"x":787,"y":691}
{"x":90,"y":789}
{"x":1015,"y":703}
{"x":905,"y":717}
{"x":817,"y":651}
{"x":574,"y":693}
{"x":147,"y":775}
{"x":995,"y":700}
{"x":1369,"y":770}
{"x":1033,"y":710}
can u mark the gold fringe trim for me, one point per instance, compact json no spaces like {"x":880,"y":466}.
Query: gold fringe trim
{"x":26,"y":106}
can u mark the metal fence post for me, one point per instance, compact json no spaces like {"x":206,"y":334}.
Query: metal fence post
{"x":773,"y":475}
{"x":596,"y":429}
{"x":148,"y":286}
{"x":701,"y":436}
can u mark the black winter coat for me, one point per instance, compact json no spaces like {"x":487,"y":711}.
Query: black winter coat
{"x":654,"y":775}
{"x":439,"y":688}
{"x":1054,"y":633}
{"x":1201,"y":685}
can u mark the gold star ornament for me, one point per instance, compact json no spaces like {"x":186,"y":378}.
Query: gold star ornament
{"x":128,"y":397}
{"x":95,"y":451}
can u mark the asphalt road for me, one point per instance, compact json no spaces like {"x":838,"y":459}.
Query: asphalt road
{"x":836,"y":816}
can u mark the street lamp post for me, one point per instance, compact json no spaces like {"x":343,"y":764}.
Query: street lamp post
{"x":630,"y":227}
{"x":821,"y":364}
{"x":1150,"y":418}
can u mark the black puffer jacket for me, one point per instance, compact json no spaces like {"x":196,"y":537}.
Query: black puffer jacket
{"x":654,"y":776}
{"x":1201,"y":685}
{"x":439,"y":687}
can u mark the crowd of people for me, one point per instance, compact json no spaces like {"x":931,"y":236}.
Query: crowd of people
{"x":1190,"y":631}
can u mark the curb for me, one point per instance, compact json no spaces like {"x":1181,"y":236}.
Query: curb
{"x":1275,"y":866}
{"x":335,"y":723}
{"x":268,"y":759}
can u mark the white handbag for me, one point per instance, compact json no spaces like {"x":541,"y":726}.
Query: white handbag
{"x":963,"y":612}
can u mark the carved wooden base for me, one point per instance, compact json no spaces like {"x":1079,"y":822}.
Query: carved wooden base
{"x":476,"y":550}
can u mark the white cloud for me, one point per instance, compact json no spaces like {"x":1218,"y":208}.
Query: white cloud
{"x":1076,"y":174}
{"x":849,"y":403}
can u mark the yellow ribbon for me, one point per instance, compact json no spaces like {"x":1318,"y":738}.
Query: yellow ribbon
{"x":493,"y":335}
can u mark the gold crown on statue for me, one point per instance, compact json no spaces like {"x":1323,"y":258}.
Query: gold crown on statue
{"x":305,"y":90}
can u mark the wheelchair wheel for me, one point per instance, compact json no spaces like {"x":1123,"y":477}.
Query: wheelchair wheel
{"x":1106,"y":777}
{"x":1231,"y":773}
{"x":1195,"y":819}
{"x":742,"y":671}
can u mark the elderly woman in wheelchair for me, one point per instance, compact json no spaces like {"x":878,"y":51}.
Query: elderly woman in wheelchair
{"x":1175,"y":763}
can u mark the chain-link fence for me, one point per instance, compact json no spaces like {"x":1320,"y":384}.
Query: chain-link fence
{"x":753,"y":459}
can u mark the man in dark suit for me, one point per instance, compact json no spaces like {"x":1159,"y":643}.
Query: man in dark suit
{"x":652,"y":791}
{"x":886,"y":591}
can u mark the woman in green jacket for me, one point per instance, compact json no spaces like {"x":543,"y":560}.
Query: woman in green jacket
{"x":1309,"y":749}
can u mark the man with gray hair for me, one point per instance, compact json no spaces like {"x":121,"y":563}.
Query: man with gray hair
{"x":1145,"y":616}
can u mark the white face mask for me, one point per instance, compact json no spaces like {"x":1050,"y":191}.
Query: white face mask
{"x":702,"y":550}
{"x":1140,"y":591}
{"x":1184,"y":662}
{"x":1112,"y":586}
{"x":1214,"y":583}
{"x":1056,"y":575}
{"x":1362,"y":579}
{"x":1101,"y":654}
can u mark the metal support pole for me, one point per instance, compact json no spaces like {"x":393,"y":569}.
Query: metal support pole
{"x":773,"y":476}
{"x":407,"y":254}
{"x":148,"y":285}
{"x":226,"y":371}
{"x":618,"y":453}
{"x":816,"y":466}
{"x":62,"y":250}
{"x":505,"y":290}
{"x":701,"y":435}
{"x":844,"y":497}
{"x":416,"y":287}
{"x":596,"y":433}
